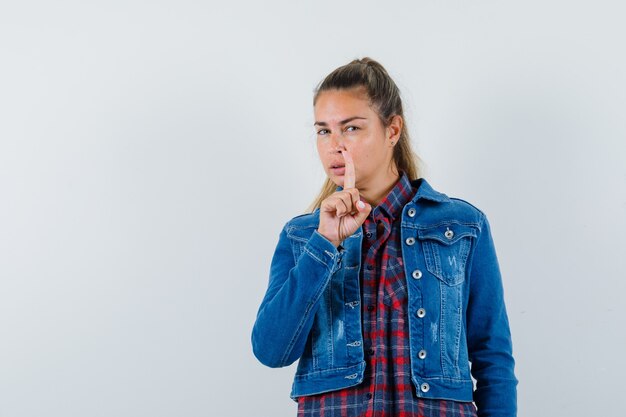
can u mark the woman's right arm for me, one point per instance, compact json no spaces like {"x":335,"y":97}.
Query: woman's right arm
{"x":287,"y":311}
{"x":286,"y":314}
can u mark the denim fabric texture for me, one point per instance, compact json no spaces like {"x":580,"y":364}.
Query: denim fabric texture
{"x":311,"y":308}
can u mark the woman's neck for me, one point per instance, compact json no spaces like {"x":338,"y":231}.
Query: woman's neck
{"x":375,"y":192}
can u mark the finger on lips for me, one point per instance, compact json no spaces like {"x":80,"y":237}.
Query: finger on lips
{"x":349,"y":178}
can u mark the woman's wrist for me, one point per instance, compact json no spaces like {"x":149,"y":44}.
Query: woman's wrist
{"x":335,"y":243}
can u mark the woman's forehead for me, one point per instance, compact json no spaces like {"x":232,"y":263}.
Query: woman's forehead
{"x":337,"y":105}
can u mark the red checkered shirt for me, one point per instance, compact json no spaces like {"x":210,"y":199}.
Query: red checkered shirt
{"x":387,"y":389}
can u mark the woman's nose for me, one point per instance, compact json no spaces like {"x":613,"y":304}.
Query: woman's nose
{"x":336,"y":142}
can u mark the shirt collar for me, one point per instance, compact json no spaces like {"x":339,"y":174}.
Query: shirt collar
{"x":391,"y":206}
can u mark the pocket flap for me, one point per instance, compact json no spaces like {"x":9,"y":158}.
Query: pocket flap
{"x":447,"y":233}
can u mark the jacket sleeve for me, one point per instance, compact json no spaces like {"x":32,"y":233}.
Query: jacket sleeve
{"x":286,"y":314}
{"x":489,"y":337}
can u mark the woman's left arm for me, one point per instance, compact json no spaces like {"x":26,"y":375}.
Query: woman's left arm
{"x":488,"y":333}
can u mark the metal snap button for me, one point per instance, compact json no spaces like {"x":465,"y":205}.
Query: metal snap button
{"x":410,"y":241}
{"x":425,"y":387}
{"x":421,"y":313}
{"x":411,"y":212}
{"x":417,"y":274}
{"x":422,"y":354}
{"x":449,"y":233}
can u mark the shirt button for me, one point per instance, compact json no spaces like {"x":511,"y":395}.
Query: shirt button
{"x":370,"y":351}
{"x":410,"y":241}
{"x":425,"y":387}
{"x":422,"y":354}
{"x":421,"y":313}
{"x":369,"y":395}
{"x":411,"y":212}
{"x":370,"y":308}
{"x":417,"y":274}
{"x":370,"y":267}
{"x":369,"y":235}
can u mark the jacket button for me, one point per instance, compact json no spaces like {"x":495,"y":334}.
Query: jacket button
{"x":422,"y":354}
{"x":421,"y":313}
{"x":449,"y":233}
{"x":410,"y":241}
{"x":425,"y":387}
{"x":417,"y":274}
{"x":411,"y":212}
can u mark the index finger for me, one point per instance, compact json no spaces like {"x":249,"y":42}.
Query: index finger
{"x":349,"y":177}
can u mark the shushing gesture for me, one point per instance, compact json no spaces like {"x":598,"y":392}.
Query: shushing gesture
{"x":343,"y":212}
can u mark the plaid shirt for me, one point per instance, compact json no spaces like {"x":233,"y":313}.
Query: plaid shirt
{"x":387,"y":389}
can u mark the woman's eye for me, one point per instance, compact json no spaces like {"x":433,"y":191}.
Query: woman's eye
{"x":322,"y":131}
{"x":351,"y":128}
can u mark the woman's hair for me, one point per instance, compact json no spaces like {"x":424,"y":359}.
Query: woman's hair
{"x":385,"y":100}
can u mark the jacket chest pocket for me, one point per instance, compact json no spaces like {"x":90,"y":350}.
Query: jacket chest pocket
{"x":446,"y":248}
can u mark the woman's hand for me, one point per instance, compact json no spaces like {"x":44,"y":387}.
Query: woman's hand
{"x":343,"y":212}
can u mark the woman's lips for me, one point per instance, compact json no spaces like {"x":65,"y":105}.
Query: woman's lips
{"x":338,"y":170}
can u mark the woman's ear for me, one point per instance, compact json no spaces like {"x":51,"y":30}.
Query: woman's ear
{"x":394,"y":129}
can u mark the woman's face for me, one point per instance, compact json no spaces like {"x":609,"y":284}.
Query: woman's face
{"x":344,"y":120}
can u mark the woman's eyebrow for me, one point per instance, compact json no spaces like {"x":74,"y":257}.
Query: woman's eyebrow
{"x":343,"y":122}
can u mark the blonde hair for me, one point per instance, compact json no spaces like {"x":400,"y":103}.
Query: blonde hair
{"x":384,"y":97}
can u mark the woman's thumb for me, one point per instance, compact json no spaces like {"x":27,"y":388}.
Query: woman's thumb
{"x":364,"y":211}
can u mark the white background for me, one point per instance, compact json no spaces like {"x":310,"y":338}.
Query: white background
{"x":151,"y":151}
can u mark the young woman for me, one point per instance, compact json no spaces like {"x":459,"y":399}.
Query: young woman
{"x":388,"y":289}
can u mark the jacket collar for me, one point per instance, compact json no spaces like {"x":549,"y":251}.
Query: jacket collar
{"x":425,"y":190}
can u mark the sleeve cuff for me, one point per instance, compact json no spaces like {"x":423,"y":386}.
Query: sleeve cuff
{"x":323,"y":251}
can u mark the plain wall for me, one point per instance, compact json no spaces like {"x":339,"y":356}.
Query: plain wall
{"x":151,"y":151}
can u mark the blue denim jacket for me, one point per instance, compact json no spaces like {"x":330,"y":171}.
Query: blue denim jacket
{"x":311,"y":310}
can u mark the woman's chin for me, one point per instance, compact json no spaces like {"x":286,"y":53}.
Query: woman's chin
{"x":337,"y":182}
